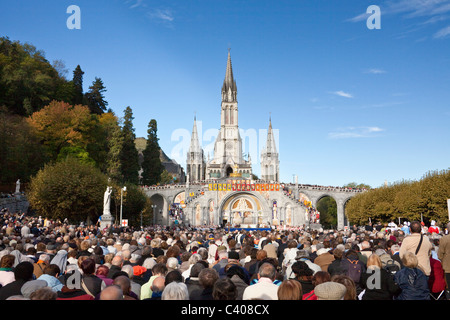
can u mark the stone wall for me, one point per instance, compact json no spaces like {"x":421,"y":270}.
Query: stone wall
{"x":18,"y":203}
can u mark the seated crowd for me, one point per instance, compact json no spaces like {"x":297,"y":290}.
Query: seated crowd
{"x":59,"y":261}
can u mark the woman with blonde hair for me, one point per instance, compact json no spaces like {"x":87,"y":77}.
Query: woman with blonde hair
{"x":411,"y":280}
{"x":377,"y":282}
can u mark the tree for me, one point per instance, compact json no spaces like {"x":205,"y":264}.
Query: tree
{"x":95,"y":97}
{"x":21,"y":154}
{"x":151,"y":165}
{"x":60,"y":125}
{"x":78,"y":85}
{"x":113,"y":144}
{"x":27,"y":80}
{"x":328,"y":211}
{"x":129,"y":156}
{"x":68,"y":189}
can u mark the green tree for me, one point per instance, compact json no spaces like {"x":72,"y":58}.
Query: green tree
{"x":328,"y":211}
{"x":68,"y":189}
{"x":151,"y":165}
{"x":77,"y":81}
{"x":129,"y":156}
{"x":21,"y":154}
{"x":28,"y":81}
{"x":95,"y":97}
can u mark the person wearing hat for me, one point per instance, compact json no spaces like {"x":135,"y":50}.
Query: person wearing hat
{"x":31,"y":286}
{"x":303,"y":255}
{"x":324,"y":258}
{"x":330,"y":291}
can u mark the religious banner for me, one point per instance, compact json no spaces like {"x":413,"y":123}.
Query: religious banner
{"x":229,"y":187}
{"x":266,"y":187}
{"x":220,"y":187}
{"x":258,"y":187}
{"x":210,"y":187}
{"x":277,"y":187}
{"x":272,"y":187}
{"x":253,"y":187}
{"x":238,"y":187}
{"x":248,"y":187}
{"x":263,"y":187}
{"x":233,"y":187}
{"x":215,"y":187}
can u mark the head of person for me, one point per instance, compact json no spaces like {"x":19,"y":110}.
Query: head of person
{"x":52,"y":270}
{"x":45,"y":293}
{"x":290,"y":290}
{"x":88,"y":266}
{"x":330,"y":290}
{"x":224,"y":289}
{"x":320,"y":277}
{"x":124,"y":283}
{"x":158,"y":284}
{"x":350,"y":293}
{"x":175,"y":291}
{"x":207,"y":277}
{"x":302,"y":270}
{"x":267,"y":270}
{"x":415,"y":227}
{"x":410,"y":260}
{"x":24,"y":271}
{"x":374,"y":261}
{"x":113,"y":292}
{"x":196,"y":269}
{"x":173,"y":276}
{"x":159,"y":269}
{"x":7,"y":261}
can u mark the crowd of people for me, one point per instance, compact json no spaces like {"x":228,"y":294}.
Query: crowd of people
{"x":42,"y":259}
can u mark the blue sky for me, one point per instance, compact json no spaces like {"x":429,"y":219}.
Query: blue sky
{"x":350,"y":104}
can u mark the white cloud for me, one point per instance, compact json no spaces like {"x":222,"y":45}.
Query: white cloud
{"x":376,"y":71}
{"x":442,"y":33}
{"x":164,"y":15}
{"x":343,"y":94}
{"x":355,"y":132}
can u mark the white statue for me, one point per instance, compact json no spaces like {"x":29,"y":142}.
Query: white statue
{"x":18,"y":186}
{"x":107,"y":201}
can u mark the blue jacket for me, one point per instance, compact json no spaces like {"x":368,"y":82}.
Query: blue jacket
{"x":52,"y":282}
{"x":413,"y":283}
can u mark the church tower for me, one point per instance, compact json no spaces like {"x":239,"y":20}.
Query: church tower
{"x":195,"y":161}
{"x":228,"y":160}
{"x":270,"y":164}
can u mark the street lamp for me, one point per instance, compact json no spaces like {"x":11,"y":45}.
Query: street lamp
{"x":121,"y":202}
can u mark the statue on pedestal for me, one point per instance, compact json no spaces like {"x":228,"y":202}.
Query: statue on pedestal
{"x":107,"y":201}
{"x":18,"y":186}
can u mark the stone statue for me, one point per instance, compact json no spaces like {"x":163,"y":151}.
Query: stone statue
{"x":18,"y":186}
{"x":107,"y":201}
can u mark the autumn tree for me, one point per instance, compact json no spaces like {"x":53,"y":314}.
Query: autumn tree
{"x":68,"y":189}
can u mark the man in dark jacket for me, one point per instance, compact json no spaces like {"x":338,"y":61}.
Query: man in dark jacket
{"x":116,"y":266}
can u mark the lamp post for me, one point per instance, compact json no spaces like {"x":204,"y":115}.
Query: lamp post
{"x":154,"y":206}
{"x":121,"y":202}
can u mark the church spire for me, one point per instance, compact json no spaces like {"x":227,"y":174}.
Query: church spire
{"x":270,"y":146}
{"x":229,"y":88}
{"x":195,"y":145}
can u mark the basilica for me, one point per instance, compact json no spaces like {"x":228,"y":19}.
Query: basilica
{"x":223,"y":189}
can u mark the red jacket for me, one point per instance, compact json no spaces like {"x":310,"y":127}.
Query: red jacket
{"x":436,"y":282}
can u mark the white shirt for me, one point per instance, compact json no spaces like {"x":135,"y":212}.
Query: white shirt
{"x":265,"y":289}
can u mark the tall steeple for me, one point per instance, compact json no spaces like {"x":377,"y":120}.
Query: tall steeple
{"x":195,"y":161}
{"x":229,"y":88}
{"x":270,"y":164}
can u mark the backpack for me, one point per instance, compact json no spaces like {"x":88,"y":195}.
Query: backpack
{"x":391,"y":267}
{"x":354,"y":269}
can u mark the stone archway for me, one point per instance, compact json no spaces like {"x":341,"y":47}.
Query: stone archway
{"x":159,"y":213}
{"x":246,"y":206}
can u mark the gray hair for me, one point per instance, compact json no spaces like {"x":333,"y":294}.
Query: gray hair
{"x":172,"y":262}
{"x":175,"y":291}
{"x":128,"y":268}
